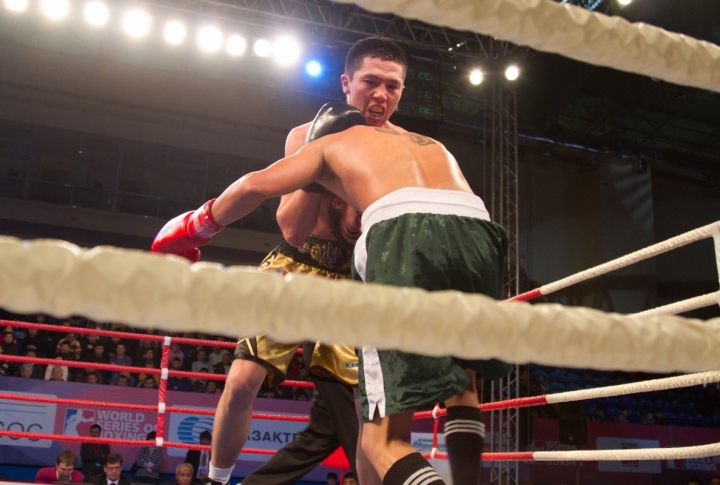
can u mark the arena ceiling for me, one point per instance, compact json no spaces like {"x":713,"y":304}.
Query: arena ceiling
{"x":560,"y":101}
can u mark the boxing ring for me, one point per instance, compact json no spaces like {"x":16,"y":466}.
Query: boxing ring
{"x":167,"y":293}
{"x":146,"y":289}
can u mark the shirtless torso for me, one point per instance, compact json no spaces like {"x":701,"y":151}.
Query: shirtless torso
{"x":360,"y":165}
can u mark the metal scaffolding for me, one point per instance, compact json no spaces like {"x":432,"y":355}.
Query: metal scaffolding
{"x":501,"y":198}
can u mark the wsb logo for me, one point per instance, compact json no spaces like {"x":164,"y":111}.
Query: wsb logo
{"x":17,"y":426}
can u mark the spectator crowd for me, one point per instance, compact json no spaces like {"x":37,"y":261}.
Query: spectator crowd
{"x":67,"y":345}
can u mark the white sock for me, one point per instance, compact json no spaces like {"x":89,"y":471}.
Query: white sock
{"x":221,"y":475}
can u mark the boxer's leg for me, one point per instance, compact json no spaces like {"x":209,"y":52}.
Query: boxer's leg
{"x":464,"y":434}
{"x":233,"y":416}
{"x":299,"y":457}
{"x":393,"y":458}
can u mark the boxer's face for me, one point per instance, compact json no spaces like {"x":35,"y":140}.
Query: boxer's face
{"x":64,"y":471}
{"x":375,"y":89}
{"x":347,"y":221}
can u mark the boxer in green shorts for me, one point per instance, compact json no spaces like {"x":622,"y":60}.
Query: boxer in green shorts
{"x":422,"y":227}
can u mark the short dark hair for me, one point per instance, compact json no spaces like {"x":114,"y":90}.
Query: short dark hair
{"x":375,"y":47}
{"x":96,"y":426}
{"x":206,"y":434}
{"x":66,"y":457}
{"x":349,"y":475}
{"x":113,"y":458}
{"x":332,"y":475}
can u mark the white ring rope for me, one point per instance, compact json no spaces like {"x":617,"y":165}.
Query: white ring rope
{"x":663,"y":384}
{"x":682,"y":453}
{"x":632,"y":258}
{"x":574,"y":32}
{"x":683,"y":306}
{"x":168,"y":293}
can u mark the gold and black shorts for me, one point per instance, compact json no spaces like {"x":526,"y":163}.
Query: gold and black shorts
{"x":318,"y":257}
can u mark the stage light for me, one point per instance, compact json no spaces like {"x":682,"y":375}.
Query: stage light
{"x":313,"y":68}
{"x":16,"y":5}
{"x":286,"y":51}
{"x":210,"y":39}
{"x":136,"y":23}
{"x":512,"y":73}
{"x":476,"y":77}
{"x":174,"y":32}
{"x":96,"y":13}
{"x":262,"y":48}
{"x":235,"y":45}
{"x":624,"y":3}
{"x":55,"y":9}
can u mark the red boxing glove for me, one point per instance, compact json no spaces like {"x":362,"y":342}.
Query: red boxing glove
{"x":185,"y":233}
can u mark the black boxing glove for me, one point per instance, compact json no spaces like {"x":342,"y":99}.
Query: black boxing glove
{"x":333,"y":117}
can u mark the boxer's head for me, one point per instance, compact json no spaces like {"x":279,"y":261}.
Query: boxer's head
{"x":344,"y":222}
{"x":374,"y":78}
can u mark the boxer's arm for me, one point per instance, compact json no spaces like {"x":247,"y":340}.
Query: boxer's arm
{"x":298,"y":212}
{"x":283,"y":177}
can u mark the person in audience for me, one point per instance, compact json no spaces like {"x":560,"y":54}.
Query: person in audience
{"x":92,"y":378}
{"x":93,"y":455}
{"x":175,"y":352}
{"x":650,"y":419}
{"x":74,"y":346}
{"x":198,"y":385}
{"x":87,"y":345}
{"x":141,"y":354}
{"x":37,"y":341}
{"x":331,"y":479}
{"x":693,"y":481}
{"x":211,"y":387}
{"x":176,"y":383}
{"x":64,"y":351}
{"x":144,"y":375}
{"x":122,"y":380}
{"x":714,"y":481}
{"x":98,"y":357}
{"x":112,"y":472}
{"x":9,"y":344}
{"x":216,"y":353}
{"x":183,"y":475}
{"x":56,"y":372}
{"x":25,"y":371}
{"x":349,"y":479}
{"x":38,"y":370}
{"x":201,"y":361}
{"x":63,"y":471}
{"x":121,"y":358}
{"x":148,"y":382}
{"x":200,"y":459}
{"x":223,"y":367}
{"x":148,"y":462}
{"x":599,"y":415}
{"x":659,"y":417}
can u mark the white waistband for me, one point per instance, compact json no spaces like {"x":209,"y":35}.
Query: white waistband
{"x":411,"y":200}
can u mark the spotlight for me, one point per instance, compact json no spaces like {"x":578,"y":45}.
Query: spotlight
{"x":512,"y":73}
{"x":136,"y":23}
{"x":55,"y":9}
{"x":313,"y":68}
{"x":286,"y":51}
{"x":16,"y":5}
{"x":624,"y":3}
{"x":476,"y":77}
{"x":174,"y":32}
{"x":210,"y":39}
{"x":96,"y":13}
{"x":235,"y":45}
{"x":262,"y":48}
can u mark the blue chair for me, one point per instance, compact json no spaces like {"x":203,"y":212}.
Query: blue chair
{"x":589,"y":380}
{"x":645,"y":404}
{"x":538,"y":374}
{"x":557,"y":376}
{"x":573,"y":378}
{"x":701,"y":420}
{"x":556,"y":387}
{"x":691,"y":407}
{"x":684,"y":419}
{"x":628,"y":402}
{"x":634,"y":416}
{"x":662,"y":404}
{"x":611,"y":413}
{"x":573,"y":386}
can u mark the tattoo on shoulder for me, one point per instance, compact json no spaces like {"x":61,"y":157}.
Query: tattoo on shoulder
{"x":386,"y":130}
{"x":421,"y":140}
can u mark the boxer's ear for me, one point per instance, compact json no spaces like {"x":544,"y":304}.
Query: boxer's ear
{"x":345,"y":82}
{"x":337,"y":202}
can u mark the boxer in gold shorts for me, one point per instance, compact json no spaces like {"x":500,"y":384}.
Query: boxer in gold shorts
{"x":317,"y":257}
